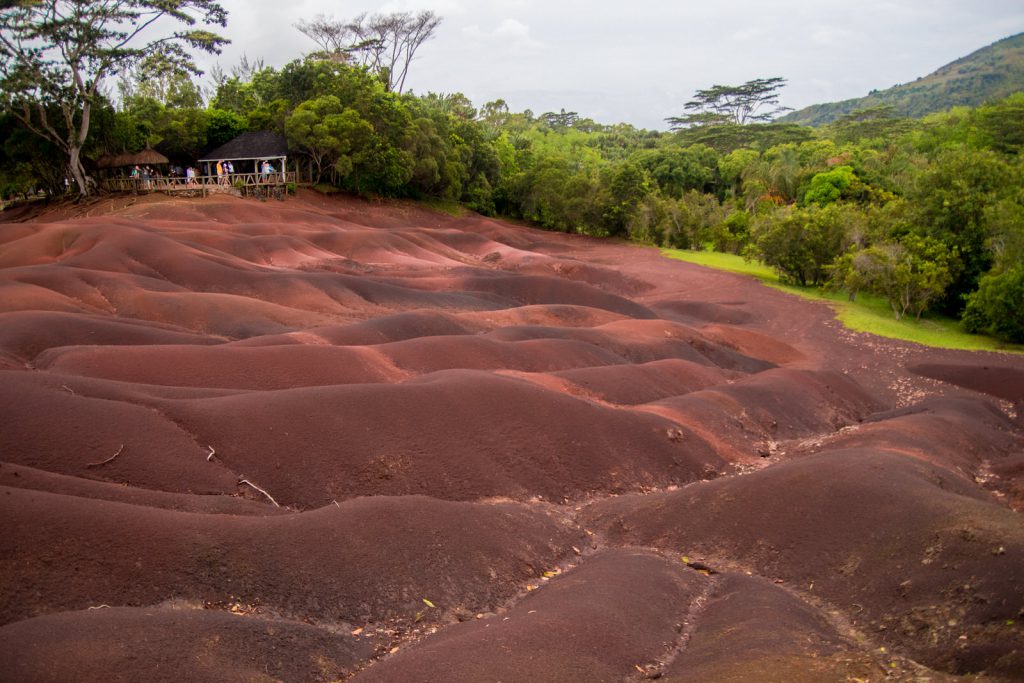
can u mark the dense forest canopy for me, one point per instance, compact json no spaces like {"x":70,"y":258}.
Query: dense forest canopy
{"x":927,"y":213}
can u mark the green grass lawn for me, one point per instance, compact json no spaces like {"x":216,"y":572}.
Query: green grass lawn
{"x":868,"y":314}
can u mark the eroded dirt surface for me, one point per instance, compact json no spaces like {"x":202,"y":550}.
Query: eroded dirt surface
{"x":326,"y":439}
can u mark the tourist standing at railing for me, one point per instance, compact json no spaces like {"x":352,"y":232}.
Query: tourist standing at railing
{"x":221,"y":178}
{"x":190,"y":176}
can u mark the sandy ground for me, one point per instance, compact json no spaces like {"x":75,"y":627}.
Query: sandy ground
{"x":326,"y":439}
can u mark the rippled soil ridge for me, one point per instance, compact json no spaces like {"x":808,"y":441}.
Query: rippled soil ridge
{"x":327,"y":439}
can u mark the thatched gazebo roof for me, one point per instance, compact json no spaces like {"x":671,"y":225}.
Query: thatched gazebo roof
{"x":147,"y":157}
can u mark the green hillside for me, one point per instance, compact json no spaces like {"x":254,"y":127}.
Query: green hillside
{"x":989,"y":73}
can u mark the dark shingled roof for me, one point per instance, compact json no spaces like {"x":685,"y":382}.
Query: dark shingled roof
{"x":262,"y":144}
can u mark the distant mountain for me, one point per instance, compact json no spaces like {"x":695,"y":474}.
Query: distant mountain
{"x":990,"y":73}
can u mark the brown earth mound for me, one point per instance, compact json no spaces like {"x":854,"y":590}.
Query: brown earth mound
{"x":617,"y":611}
{"x":174,"y":645}
{"x":365,"y":561}
{"x":753,"y":630}
{"x":1003,"y":382}
{"x":933,"y":564}
{"x":328,"y":438}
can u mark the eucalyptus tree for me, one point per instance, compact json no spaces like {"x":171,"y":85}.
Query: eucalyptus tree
{"x":386,"y":44}
{"x":56,"y":54}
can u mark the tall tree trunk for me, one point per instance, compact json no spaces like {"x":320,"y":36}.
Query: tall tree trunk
{"x":76,"y":140}
{"x":77,"y":170}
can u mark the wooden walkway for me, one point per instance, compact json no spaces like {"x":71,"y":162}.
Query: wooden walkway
{"x":248,"y":183}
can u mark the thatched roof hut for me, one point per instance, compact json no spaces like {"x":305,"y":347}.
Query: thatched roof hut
{"x":147,"y":157}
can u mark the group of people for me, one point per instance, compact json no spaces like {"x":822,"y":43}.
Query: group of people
{"x":144,"y":176}
{"x":224,"y":171}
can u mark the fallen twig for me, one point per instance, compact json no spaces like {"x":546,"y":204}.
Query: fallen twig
{"x":110,"y":459}
{"x":100,"y":607}
{"x":269,"y":497}
{"x":67,"y":388}
{"x":212,"y":453}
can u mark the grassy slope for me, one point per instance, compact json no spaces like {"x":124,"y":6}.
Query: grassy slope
{"x":868,"y":314}
{"x":992,"y":72}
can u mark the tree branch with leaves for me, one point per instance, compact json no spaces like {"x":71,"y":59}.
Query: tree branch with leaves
{"x":56,"y":54}
{"x":386,"y":44}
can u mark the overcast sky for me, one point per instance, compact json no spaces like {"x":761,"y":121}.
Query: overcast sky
{"x":640,"y":61}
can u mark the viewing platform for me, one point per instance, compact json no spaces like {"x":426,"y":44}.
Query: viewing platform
{"x":248,"y":184}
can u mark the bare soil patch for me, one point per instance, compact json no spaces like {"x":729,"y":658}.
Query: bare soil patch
{"x":327,"y":439}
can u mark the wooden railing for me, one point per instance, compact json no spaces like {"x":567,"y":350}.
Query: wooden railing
{"x":210,"y":183}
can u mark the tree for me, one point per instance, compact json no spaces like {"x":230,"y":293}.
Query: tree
{"x":733,"y":234}
{"x":153,"y":77}
{"x":678,"y":169}
{"x":997,"y":307}
{"x":737,"y":104}
{"x":727,"y":137}
{"x":56,"y":54}
{"x":910,"y":273}
{"x":456,"y":104}
{"x":828,"y":186}
{"x":801,"y":244}
{"x":561,"y":119}
{"x":1001,"y":124}
{"x":952,"y":201}
{"x":222,"y":126}
{"x":333,"y":36}
{"x":329,"y":133}
{"x":871,"y":123}
{"x":384,"y":43}
{"x":495,"y":114}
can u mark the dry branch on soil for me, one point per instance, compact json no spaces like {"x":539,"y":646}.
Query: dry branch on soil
{"x":269,"y":497}
{"x":110,"y":459}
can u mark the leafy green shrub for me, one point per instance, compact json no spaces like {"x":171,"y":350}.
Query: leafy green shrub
{"x":801,"y":243}
{"x":732,"y":234}
{"x":997,"y":307}
{"x":828,"y":187}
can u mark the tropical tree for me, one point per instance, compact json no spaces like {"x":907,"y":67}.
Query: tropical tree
{"x":997,"y":307}
{"x":828,"y":186}
{"x":910,"y":273}
{"x":56,"y":54}
{"x":736,"y":104}
{"x":953,"y":199}
{"x":329,"y":134}
{"x":801,"y":244}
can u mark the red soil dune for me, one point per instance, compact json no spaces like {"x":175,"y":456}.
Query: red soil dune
{"x":326,"y":438}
